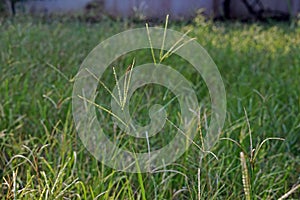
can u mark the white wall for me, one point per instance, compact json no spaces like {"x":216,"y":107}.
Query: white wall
{"x":160,"y":8}
{"x":55,"y":5}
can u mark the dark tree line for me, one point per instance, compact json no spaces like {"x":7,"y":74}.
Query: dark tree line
{"x":256,"y":9}
{"x":9,"y":5}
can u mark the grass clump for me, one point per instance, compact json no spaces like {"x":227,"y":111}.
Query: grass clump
{"x":42,"y":157}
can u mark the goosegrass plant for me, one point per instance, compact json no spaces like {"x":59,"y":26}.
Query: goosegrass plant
{"x":249,"y":175}
{"x":43,"y":158}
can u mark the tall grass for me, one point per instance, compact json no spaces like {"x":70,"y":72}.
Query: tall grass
{"x":42,"y":157}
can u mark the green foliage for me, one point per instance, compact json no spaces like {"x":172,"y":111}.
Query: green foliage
{"x":8,"y":6}
{"x":2,"y":7}
{"x":42,"y":157}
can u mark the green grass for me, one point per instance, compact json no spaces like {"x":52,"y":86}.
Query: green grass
{"x":42,"y":156}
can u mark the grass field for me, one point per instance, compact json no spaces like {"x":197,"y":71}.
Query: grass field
{"x":42,"y":156}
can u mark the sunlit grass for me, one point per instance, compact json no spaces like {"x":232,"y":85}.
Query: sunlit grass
{"x":42,"y":156}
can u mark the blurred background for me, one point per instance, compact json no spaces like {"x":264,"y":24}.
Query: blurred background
{"x":155,"y":9}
